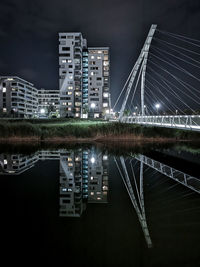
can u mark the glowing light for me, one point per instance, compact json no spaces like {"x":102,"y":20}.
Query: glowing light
{"x":92,"y":160}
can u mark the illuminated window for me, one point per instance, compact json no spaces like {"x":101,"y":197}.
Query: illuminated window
{"x":69,"y":61}
{"x":69,"y":93}
{"x":105,"y":94}
{"x":92,"y":73}
{"x":4,"y":89}
{"x":4,"y":109}
{"x":70,"y":77}
{"x":92,"y":193}
{"x":98,"y":57}
{"x":99,"y":52}
{"x":64,"y":61}
{"x":92,"y":57}
{"x":105,"y":105}
{"x":70,"y":87}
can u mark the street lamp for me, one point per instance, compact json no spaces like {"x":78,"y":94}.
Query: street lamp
{"x":157,"y":107}
{"x":42,"y":110}
{"x":93,"y":107}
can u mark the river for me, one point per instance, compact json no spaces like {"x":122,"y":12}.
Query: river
{"x":100,"y":205}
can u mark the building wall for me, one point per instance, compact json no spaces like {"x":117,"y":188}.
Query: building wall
{"x":98,"y":81}
{"x":18,"y":98}
{"x":48,"y":100}
{"x":70,"y":73}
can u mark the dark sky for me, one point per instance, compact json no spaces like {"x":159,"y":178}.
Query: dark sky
{"x":29,"y":32}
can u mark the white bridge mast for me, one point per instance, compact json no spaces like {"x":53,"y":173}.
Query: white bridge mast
{"x":142,"y":57}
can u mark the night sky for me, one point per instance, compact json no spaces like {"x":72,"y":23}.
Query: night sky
{"x":29,"y":32}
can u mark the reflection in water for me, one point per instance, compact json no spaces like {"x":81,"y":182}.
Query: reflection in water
{"x":83,"y":176}
{"x":136,"y":193}
{"x":134,"y":183}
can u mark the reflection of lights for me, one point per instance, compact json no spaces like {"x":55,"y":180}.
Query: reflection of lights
{"x":105,"y":157}
{"x":92,"y":160}
{"x":92,"y":105}
{"x":42,"y":110}
{"x":64,"y":189}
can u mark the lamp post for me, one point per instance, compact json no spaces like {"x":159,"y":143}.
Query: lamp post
{"x":157,"y":107}
{"x":93,"y":107}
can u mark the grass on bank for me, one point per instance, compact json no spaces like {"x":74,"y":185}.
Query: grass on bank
{"x":86,"y":129}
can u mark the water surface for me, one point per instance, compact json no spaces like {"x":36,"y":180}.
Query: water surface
{"x":91,"y":205}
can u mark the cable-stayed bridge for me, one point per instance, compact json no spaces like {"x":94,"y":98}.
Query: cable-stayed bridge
{"x":163,"y":87}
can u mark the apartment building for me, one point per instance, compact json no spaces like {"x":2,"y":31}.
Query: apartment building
{"x":98,"y":82}
{"x":84,"y":78}
{"x":70,"y":73}
{"x":48,"y":102}
{"x":18,"y":97}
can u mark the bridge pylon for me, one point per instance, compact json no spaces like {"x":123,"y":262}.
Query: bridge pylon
{"x":141,"y":62}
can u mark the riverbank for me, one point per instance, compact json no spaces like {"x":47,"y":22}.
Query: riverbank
{"x":87,"y":131}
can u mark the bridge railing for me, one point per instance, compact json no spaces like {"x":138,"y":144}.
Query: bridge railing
{"x":187,"y":122}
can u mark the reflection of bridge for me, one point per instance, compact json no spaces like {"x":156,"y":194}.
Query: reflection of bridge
{"x":163,"y":86}
{"x":134,"y":184}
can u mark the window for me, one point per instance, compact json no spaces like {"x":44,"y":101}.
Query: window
{"x":92,"y":57}
{"x":70,"y":87}
{"x":98,"y":78}
{"x":70,"y":66}
{"x":69,"y":61}
{"x":4,"y":89}
{"x":105,"y":94}
{"x":65,"y":48}
{"x":98,"y":57}
{"x":63,"y":61}
{"x":105,"y":105}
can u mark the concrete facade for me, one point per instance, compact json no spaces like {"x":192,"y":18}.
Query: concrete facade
{"x":18,"y":98}
{"x":84,"y":78}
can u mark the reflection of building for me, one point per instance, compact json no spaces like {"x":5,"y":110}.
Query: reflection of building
{"x":83,"y":176}
{"x":18,"y":98}
{"x":16,"y":164}
{"x":71,"y":184}
{"x":98,"y":178}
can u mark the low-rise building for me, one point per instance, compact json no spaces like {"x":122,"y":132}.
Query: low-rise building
{"x":48,"y":102}
{"x":18,"y":97}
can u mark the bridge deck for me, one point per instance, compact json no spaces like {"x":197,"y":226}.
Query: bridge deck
{"x":184,"y":122}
